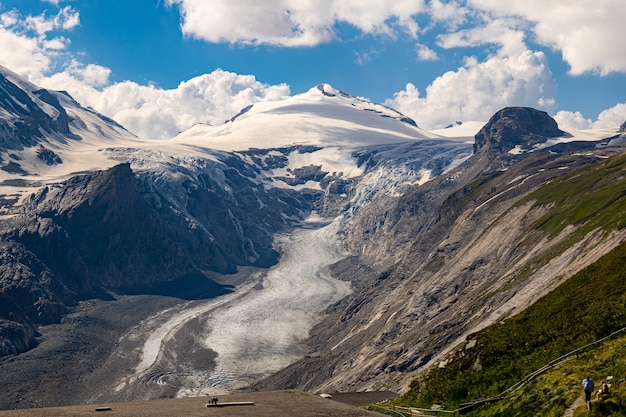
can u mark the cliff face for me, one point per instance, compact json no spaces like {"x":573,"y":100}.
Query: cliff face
{"x":97,"y":230}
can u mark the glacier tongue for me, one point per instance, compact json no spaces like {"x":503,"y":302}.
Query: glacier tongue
{"x":263,"y":330}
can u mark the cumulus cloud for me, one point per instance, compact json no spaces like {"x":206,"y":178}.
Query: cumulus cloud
{"x":478,"y":89}
{"x":22,"y":54}
{"x":451,"y":13}
{"x":66,"y":19}
{"x":293,"y":22}
{"x":590,"y":35}
{"x":502,"y":32}
{"x":209,"y":98}
{"x":610,"y":118}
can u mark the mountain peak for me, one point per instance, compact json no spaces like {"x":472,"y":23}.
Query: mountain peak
{"x":328,"y":90}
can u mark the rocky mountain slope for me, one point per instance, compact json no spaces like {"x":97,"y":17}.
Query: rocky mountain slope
{"x":444,"y":259}
{"x":444,"y":233}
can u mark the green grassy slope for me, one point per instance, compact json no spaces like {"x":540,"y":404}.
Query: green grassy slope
{"x":592,"y":197}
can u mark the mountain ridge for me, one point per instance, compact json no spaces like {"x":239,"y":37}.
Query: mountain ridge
{"x":441,"y":233}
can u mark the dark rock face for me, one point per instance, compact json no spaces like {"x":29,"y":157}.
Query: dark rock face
{"x":516,"y":126}
{"x":115,"y":231}
{"x":99,"y":231}
{"x":48,"y":156}
{"x":30,"y":295}
{"x":622,"y":128}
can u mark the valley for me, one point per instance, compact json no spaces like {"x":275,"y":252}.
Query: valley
{"x":228,"y":343}
{"x":320,"y":243}
{"x":189,"y":348}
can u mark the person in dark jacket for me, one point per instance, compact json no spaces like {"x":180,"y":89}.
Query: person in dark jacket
{"x":588,"y":388}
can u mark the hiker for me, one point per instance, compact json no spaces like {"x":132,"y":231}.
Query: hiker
{"x":588,"y":388}
{"x":603,"y":392}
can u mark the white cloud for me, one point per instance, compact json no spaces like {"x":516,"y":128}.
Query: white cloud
{"x":90,"y":75}
{"x":24,"y":43}
{"x":572,"y":120}
{"x":66,"y":19}
{"x":477,"y":90}
{"x":424,"y":53}
{"x":612,"y":117}
{"x":589,"y":34}
{"x":501,"y":32}
{"x":293,"y":22}
{"x":22,"y":54}
{"x":451,"y":13}
{"x":607,"y":119}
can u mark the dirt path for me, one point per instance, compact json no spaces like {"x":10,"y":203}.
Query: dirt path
{"x":579,"y":402}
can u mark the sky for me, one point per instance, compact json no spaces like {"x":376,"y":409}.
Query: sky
{"x":160,"y":66}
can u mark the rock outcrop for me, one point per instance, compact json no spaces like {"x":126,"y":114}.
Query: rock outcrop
{"x":514,"y":127}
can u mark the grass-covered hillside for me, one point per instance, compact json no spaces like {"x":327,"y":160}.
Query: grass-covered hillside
{"x":587,"y":307}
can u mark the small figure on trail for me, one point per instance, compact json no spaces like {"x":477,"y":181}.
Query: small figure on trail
{"x":214,"y":401}
{"x":603,"y":392}
{"x":588,"y":388}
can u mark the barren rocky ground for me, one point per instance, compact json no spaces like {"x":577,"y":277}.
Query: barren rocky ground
{"x":71,"y":365}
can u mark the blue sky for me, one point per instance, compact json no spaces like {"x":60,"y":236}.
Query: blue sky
{"x":158,"y":66}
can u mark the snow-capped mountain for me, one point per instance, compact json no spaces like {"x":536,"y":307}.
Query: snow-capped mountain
{"x":236,"y":211}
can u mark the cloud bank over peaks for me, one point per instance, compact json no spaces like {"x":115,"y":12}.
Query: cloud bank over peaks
{"x":479,"y":89}
{"x":155,"y":113}
{"x":506,"y":36}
